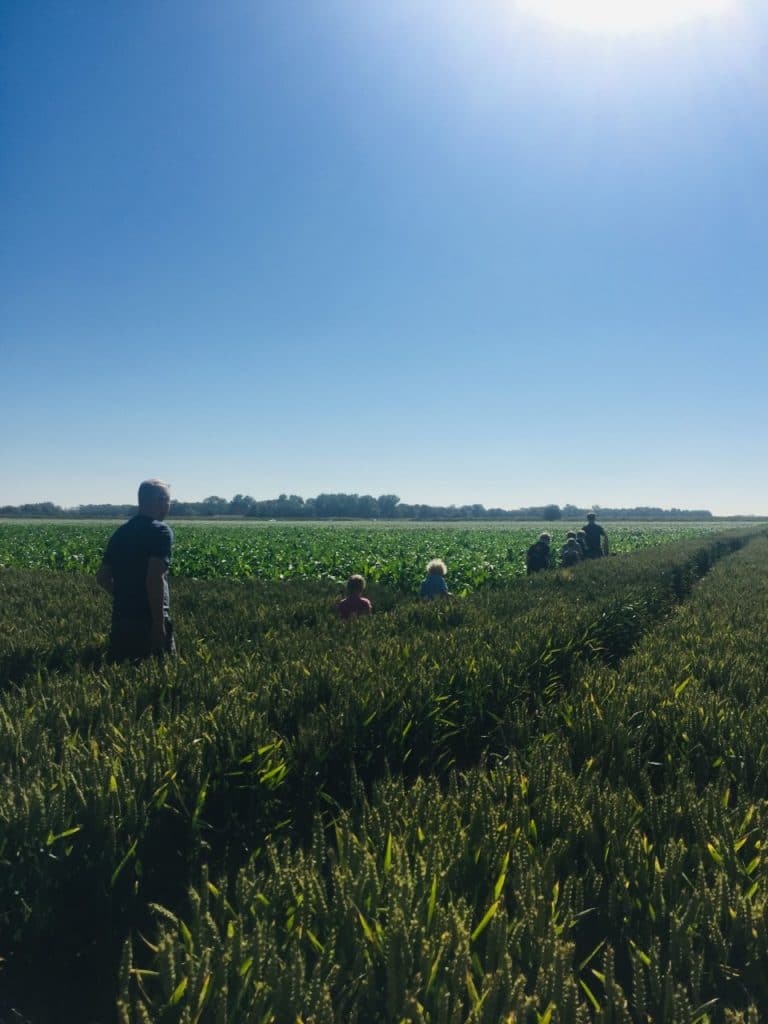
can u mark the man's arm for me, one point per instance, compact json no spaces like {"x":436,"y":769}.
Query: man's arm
{"x":156,"y":569}
{"x":104,"y":578}
{"x":606,"y":548}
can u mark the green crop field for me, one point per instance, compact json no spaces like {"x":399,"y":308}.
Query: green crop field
{"x":545,"y":801}
{"x":384,"y":552}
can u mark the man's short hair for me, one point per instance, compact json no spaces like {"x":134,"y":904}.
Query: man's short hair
{"x":151,"y":491}
{"x":591,"y":515}
{"x":356,"y":584}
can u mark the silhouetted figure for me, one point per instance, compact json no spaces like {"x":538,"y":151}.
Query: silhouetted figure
{"x":539,"y":555}
{"x":571,"y":534}
{"x":134,"y":571}
{"x":570,"y":555}
{"x":354,"y":603}
{"x":595,"y":539}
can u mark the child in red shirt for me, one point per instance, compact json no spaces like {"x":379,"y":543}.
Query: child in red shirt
{"x":354,"y":603}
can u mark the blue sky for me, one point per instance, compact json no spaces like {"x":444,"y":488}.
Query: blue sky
{"x":444,"y":250}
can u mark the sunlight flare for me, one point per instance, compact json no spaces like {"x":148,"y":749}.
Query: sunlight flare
{"x":624,"y":16}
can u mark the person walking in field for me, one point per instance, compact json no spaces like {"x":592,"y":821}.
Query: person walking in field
{"x":354,"y":603}
{"x":539,"y":556}
{"x":134,"y":571}
{"x":568,"y":536}
{"x":595,"y":538}
{"x":434,"y":584}
{"x":570,"y":555}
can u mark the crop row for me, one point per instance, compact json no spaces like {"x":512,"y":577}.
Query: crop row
{"x":121,"y":784}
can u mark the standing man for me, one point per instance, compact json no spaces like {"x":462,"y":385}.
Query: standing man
{"x":135,"y":572}
{"x":595,"y":538}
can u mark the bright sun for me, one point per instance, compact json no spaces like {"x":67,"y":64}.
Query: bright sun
{"x":622,"y":16}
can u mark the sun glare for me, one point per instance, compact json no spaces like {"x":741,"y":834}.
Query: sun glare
{"x":624,"y":16}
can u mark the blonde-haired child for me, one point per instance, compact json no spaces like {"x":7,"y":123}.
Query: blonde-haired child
{"x":434,"y":585}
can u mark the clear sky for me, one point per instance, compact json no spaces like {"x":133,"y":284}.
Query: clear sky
{"x":458,"y":252}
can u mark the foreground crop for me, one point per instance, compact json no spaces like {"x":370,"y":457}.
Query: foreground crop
{"x":543,"y":801}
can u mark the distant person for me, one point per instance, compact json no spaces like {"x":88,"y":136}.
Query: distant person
{"x":595,"y":538}
{"x":570,"y":555}
{"x":434,"y":584}
{"x":568,"y":536}
{"x":539,"y":555}
{"x":354,"y":603}
{"x":134,"y":571}
{"x":581,"y":540}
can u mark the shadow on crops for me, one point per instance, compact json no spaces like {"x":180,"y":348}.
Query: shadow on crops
{"x":72,"y":981}
{"x":62,"y":992}
{"x":19,"y":665}
{"x":10,"y":1012}
{"x":65,"y":982}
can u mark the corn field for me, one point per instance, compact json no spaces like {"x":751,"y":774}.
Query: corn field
{"x":394,"y":554}
{"x":544,"y":802}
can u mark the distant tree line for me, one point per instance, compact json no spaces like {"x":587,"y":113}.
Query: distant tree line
{"x":348,"y":506}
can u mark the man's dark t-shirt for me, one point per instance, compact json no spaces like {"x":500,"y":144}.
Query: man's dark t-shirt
{"x":128,"y":553}
{"x":593,"y":538}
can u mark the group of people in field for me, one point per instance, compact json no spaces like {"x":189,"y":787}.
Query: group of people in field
{"x":589,"y":542}
{"x":134,"y":571}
